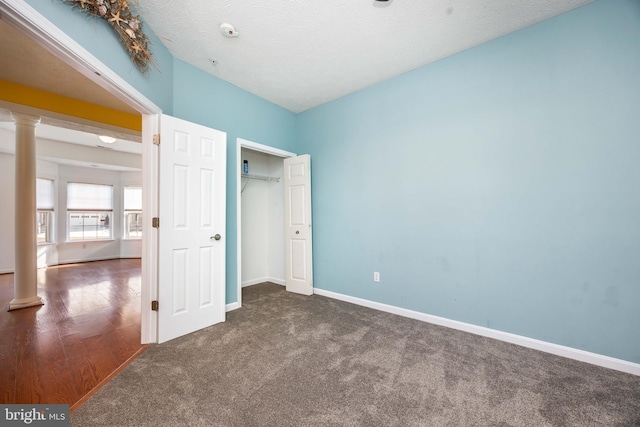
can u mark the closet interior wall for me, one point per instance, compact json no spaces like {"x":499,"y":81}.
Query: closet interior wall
{"x":262,"y":221}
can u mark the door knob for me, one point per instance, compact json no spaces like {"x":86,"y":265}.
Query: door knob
{"x":216,"y":237}
{"x":297,"y":231}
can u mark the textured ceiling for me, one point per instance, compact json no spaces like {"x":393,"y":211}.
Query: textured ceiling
{"x":300,"y":54}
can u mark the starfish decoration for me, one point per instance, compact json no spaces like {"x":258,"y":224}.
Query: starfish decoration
{"x":136,"y":47}
{"x":126,"y":25}
{"x":116,"y":18}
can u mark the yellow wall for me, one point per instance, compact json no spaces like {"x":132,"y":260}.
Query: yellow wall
{"x":36,"y":98}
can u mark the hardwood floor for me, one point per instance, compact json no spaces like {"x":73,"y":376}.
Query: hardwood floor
{"x":88,"y":327}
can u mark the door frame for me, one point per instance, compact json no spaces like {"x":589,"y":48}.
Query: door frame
{"x":30,"y":22}
{"x":254,"y":146}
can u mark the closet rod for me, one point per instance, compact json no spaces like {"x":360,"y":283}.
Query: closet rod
{"x":261,"y":177}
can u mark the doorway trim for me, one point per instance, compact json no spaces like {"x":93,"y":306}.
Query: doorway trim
{"x":240,"y":144}
{"x":30,"y":22}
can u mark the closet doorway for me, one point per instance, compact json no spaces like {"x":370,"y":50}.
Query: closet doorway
{"x":261,"y":214}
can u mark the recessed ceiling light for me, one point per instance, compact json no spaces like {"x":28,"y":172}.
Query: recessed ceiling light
{"x":107,"y":139}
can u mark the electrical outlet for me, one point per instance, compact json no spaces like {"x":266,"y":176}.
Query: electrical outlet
{"x":376,"y":276}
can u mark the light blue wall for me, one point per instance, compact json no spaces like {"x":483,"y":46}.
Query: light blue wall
{"x":498,"y":187}
{"x":97,"y":37}
{"x":206,"y":100}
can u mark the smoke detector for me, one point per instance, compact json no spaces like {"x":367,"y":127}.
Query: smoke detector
{"x":228,"y":30}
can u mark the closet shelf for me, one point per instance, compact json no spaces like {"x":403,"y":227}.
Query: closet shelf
{"x":260,"y":177}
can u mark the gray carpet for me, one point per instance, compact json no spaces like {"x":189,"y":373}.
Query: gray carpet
{"x":289,"y":360}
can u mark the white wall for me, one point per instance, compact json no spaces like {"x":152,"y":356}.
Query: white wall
{"x":7,"y":214}
{"x":262,"y":221}
{"x":275,"y":222}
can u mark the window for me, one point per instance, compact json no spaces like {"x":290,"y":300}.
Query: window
{"x":90,"y":211}
{"x":44,"y":206}
{"x":132,"y":212}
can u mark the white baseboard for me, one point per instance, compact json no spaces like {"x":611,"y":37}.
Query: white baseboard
{"x":254,"y":281}
{"x":74,"y":261}
{"x":81,"y":260}
{"x":262,"y":280}
{"x":232,"y":306}
{"x":558,"y":350}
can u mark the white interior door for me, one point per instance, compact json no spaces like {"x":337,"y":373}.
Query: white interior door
{"x":191,"y":292}
{"x":297,"y":199}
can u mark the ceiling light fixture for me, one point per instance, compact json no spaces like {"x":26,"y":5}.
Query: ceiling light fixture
{"x":107,"y":139}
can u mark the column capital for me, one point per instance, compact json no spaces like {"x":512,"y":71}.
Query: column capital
{"x":27,"y":119}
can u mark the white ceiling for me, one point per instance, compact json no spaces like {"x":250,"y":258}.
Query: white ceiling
{"x":60,"y":145}
{"x":73,"y":136}
{"x":300,"y":54}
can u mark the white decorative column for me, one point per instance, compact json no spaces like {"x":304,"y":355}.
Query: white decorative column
{"x":26,"y":268}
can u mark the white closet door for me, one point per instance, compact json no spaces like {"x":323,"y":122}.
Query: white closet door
{"x":297,"y":193}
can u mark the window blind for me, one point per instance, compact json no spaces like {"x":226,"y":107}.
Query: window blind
{"x":44,"y":194}
{"x":132,"y":198}
{"x":89,"y":197}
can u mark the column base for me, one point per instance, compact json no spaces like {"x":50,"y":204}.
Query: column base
{"x":24,"y":303}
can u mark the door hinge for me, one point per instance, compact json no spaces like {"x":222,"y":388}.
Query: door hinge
{"x":154,"y":305}
{"x":155,"y":222}
{"x":156,"y":138}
